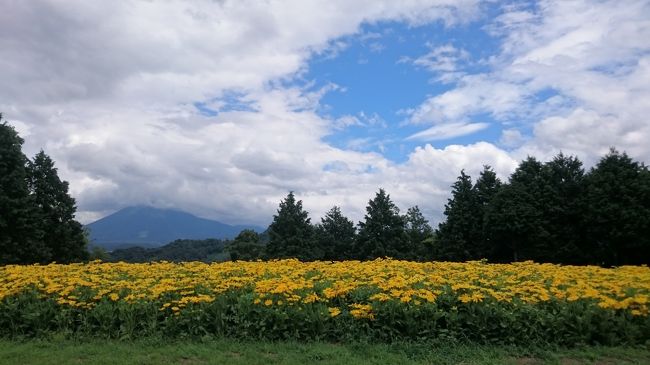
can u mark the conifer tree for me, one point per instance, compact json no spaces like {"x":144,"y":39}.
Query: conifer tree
{"x":561,"y":204}
{"x":617,"y":214}
{"x":335,"y":235}
{"x":515,"y":218}
{"x":20,"y":235}
{"x":291,"y":232}
{"x":486,"y":187}
{"x":56,"y":209}
{"x":455,"y":235}
{"x":382,"y":233}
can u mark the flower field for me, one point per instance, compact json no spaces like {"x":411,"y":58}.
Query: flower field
{"x":384,"y":300}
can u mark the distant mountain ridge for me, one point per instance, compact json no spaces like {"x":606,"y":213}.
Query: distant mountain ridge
{"x":152,"y":227}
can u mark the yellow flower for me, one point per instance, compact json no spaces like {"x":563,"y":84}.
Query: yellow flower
{"x":334,"y":311}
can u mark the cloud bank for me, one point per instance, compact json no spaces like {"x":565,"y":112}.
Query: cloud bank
{"x":193,"y":105}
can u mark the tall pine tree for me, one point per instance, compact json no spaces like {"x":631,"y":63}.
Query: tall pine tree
{"x":63,"y":235}
{"x":382,"y":234}
{"x":291,"y":232}
{"x":456,"y":235}
{"x":335,"y":236}
{"x":485,"y":189}
{"x":20,"y":235}
{"x":617,"y":214}
{"x":562,"y":190}
{"x":515,"y":218}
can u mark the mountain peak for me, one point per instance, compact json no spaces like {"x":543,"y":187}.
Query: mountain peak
{"x":146,"y":225}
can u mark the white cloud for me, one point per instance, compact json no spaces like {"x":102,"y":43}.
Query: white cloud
{"x":108,"y":90}
{"x":445,"y":61}
{"x":576,"y":73}
{"x":511,"y":138}
{"x":447,"y":131}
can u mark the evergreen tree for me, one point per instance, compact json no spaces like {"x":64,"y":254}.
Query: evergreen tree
{"x":617,"y":214}
{"x":562,"y":190}
{"x":63,"y":235}
{"x":420,"y":235}
{"x":20,"y":236}
{"x":335,"y":236}
{"x":291,"y":233}
{"x":456,"y":235}
{"x":246,"y":246}
{"x":485,"y":189}
{"x":515,"y":220}
{"x":382,"y":234}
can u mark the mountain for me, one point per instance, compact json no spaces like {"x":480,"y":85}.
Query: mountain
{"x":208,"y":250}
{"x":152,"y":227}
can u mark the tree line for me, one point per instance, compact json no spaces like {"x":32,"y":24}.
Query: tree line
{"x":547,"y":212}
{"x":384,"y":233}
{"x":551,"y":211}
{"x":37,"y":222}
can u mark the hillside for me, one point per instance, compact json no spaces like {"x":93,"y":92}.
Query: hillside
{"x":153,"y":227}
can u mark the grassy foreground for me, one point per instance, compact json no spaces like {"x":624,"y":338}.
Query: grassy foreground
{"x":59,"y":351}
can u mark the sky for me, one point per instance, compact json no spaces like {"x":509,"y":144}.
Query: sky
{"x":220,"y":108}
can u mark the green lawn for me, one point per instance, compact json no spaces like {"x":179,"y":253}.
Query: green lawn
{"x":235,"y":352}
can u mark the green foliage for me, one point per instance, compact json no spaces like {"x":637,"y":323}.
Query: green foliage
{"x":485,"y":189}
{"x":457,"y":236}
{"x":62,"y":234}
{"x":562,"y":194}
{"x":37,"y":222}
{"x":207,"y":250}
{"x":420,"y":235}
{"x":335,"y":236}
{"x":291,"y":233}
{"x":552,"y":212}
{"x":21,"y":236}
{"x":617,"y":214}
{"x":383,"y":233}
{"x":98,"y":253}
{"x":234,"y":315}
{"x":246,"y":246}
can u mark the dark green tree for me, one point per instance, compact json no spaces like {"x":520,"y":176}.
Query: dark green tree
{"x":486,"y":187}
{"x":420,"y":235}
{"x":246,"y":246}
{"x":456,"y":235}
{"x":561,"y":198}
{"x":617,"y":214}
{"x":515,"y":219}
{"x":335,"y":236}
{"x":20,"y":235}
{"x":291,"y":232}
{"x":383,"y":233}
{"x":63,"y":235}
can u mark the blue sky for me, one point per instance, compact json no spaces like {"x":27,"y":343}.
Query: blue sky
{"x":377,"y":81}
{"x":221,"y":108}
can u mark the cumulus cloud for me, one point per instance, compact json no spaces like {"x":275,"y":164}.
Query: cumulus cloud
{"x":575,"y":73}
{"x":186,"y":104}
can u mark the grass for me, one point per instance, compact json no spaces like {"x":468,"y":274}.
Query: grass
{"x":223,"y":351}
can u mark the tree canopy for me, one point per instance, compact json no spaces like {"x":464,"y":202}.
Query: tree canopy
{"x":37,"y":219}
